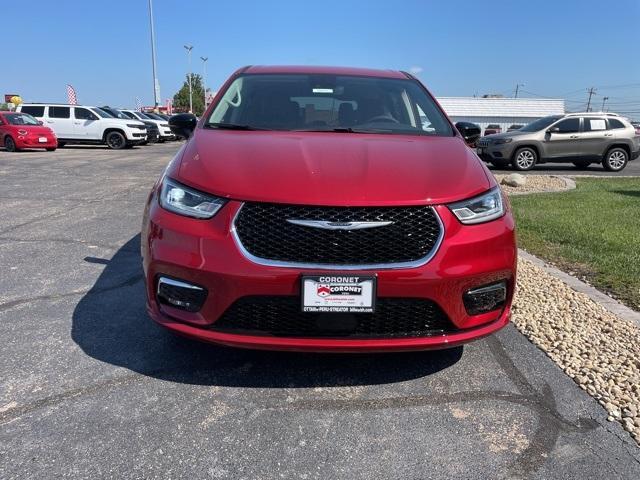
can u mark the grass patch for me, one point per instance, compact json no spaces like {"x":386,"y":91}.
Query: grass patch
{"x":592,"y":232}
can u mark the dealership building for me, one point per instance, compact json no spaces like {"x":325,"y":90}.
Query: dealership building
{"x":501,"y":111}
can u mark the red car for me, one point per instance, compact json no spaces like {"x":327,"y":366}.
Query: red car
{"x":311,"y":210}
{"x":21,"y":130}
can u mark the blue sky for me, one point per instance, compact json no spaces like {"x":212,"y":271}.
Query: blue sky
{"x":556,"y":48}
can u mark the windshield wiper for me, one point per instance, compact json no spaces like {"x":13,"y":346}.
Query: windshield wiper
{"x":344,"y":130}
{"x":232,"y":126}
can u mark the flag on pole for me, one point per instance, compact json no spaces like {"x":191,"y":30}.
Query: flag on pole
{"x":72,"y":99}
{"x":138,"y":104}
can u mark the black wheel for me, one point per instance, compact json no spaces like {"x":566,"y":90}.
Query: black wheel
{"x":582,"y":164}
{"x":116,"y":140}
{"x":525,"y":158}
{"x":9,"y":144}
{"x":52,"y":149}
{"x":615,"y":160}
{"x":500,"y":163}
{"x":61,"y":144}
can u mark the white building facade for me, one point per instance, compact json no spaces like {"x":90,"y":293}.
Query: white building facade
{"x":500,"y":111}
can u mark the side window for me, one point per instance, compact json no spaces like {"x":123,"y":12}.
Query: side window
{"x":594,"y":124}
{"x":569,"y":125}
{"x":36,"y":111}
{"x":1,"y":121}
{"x":59,"y":112}
{"x":614,"y":123}
{"x":84,"y":114}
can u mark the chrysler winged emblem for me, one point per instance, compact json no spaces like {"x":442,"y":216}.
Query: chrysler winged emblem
{"x":326,"y":225}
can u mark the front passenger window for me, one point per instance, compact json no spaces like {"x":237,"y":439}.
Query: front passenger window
{"x":569,"y":125}
{"x":84,"y":114}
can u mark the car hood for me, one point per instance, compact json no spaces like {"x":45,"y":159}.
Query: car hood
{"x":34,"y":129}
{"x":320,"y":168}
{"x":514,"y":133}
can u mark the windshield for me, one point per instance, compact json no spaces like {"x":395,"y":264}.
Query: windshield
{"x":540,"y":124}
{"x":154,"y":116}
{"x":144,"y":116}
{"x":117,"y":113}
{"x":329,"y":103}
{"x":20,"y":119}
{"x":102,"y":113}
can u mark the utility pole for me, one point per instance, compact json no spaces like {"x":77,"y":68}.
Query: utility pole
{"x":518,"y":85}
{"x":204,"y":79}
{"x":592,"y":91}
{"x":604,"y":99}
{"x":156,"y":84}
{"x":189,"y":48}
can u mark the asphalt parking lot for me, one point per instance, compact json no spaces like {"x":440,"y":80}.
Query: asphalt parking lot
{"x":91,"y":388}
{"x":632,"y":169}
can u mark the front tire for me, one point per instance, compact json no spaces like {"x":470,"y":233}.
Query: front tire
{"x":115,"y":140}
{"x":10,"y":144}
{"x":615,"y":160}
{"x":524,"y":159}
{"x":52,"y":149}
{"x":61,"y":144}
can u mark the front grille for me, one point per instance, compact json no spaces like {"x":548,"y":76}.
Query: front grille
{"x":263,"y":230}
{"x":483,"y":143}
{"x":282,"y":316}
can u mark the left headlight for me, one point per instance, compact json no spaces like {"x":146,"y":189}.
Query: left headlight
{"x":480,"y":209}
{"x":500,"y":141}
{"x":183,"y":200}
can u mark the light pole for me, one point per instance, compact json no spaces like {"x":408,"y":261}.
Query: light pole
{"x":604,"y":99}
{"x":518,"y":85}
{"x":156,"y":84}
{"x":204,"y":79}
{"x":189,"y":48}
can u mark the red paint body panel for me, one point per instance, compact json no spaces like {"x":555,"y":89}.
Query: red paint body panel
{"x":27,"y":136}
{"x":319,"y":168}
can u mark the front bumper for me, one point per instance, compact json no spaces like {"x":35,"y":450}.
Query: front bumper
{"x":501,"y":152}
{"x":33,"y":141}
{"x":205,"y":253}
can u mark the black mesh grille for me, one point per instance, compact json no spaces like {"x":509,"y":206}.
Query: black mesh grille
{"x":264,"y":231}
{"x":281,"y":316}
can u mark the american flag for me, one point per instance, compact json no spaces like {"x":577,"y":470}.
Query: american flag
{"x":138,"y":104}
{"x":71,"y":95}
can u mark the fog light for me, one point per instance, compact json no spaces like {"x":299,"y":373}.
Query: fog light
{"x":485,"y":299}
{"x":180,"y":294}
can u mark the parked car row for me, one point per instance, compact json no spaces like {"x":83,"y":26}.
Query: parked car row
{"x":578,"y":138}
{"x":49,"y":126}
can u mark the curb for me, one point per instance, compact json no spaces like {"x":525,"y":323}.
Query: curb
{"x":594,"y":294}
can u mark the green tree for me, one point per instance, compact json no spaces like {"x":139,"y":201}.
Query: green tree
{"x":181,"y":99}
{"x":4,"y":106}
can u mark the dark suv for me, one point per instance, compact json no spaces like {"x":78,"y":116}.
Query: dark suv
{"x":579,"y":138}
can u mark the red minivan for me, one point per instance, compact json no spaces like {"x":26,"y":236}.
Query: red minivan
{"x":21,"y":130}
{"x":314,"y":208}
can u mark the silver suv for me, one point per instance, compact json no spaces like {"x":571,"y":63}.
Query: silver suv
{"x":579,"y":138}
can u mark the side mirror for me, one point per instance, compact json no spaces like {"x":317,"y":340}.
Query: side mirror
{"x":40,"y":122}
{"x":183,"y":124}
{"x":553,"y":130}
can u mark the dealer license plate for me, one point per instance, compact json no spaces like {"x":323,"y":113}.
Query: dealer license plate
{"x":42,"y":139}
{"x":338,"y":293}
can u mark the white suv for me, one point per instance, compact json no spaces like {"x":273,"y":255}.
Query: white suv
{"x":163,"y":125}
{"x":87,"y":125}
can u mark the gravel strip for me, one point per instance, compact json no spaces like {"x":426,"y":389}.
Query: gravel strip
{"x":535,"y":183}
{"x":599,"y":350}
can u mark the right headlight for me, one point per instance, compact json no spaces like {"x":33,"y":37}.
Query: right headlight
{"x":480,"y":209}
{"x":183,"y":200}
